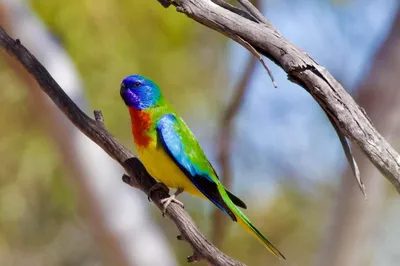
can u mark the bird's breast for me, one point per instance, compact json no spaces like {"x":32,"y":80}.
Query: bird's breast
{"x":160,"y":166}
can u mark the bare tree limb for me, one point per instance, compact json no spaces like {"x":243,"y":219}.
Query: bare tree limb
{"x":254,"y":11}
{"x":355,"y":222}
{"x":234,"y":9}
{"x":95,"y":130}
{"x":350,"y":118}
{"x":345,"y":145}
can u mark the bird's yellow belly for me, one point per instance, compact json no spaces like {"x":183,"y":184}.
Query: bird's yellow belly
{"x":160,"y":166}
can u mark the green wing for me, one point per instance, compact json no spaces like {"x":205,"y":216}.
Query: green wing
{"x":180,"y":143}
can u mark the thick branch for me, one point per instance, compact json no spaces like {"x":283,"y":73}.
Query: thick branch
{"x":96,"y":131}
{"x":234,"y":9}
{"x":303,"y":70}
{"x":355,"y":222}
{"x":254,"y":11}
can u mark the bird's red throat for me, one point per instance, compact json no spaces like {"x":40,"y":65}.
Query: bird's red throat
{"x":141,"y":122}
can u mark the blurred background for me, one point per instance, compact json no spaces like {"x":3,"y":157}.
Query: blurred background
{"x":62,"y":201}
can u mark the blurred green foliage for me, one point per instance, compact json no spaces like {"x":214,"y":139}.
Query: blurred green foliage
{"x":108,"y":40}
{"x":36,"y":206}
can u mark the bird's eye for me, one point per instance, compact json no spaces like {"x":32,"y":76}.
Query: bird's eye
{"x":137,"y":84}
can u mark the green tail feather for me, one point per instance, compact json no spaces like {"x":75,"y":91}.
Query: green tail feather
{"x":244,"y":221}
{"x":246,"y":224}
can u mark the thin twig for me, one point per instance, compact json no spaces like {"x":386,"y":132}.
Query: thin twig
{"x":349,"y":156}
{"x":98,"y":116}
{"x":254,"y":52}
{"x":138,"y":176}
{"x":345,"y":145}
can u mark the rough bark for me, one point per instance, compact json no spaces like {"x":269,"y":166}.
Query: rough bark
{"x":343,"y":111}
{"x":350,"y":238}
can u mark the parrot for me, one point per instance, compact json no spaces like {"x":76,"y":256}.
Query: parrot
{"x":171,"y":153}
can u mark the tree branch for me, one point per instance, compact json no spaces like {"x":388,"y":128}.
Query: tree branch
{"x":350,"y":118}
{"x":234,"y":9}
{"x":96,"y":131}
{"x":254,"y":11}
{"x":355,"y":222}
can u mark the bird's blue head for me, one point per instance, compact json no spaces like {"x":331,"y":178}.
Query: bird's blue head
{"x":140,"y":93}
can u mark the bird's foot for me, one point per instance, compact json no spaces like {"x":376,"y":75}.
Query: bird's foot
{"x":157,"y":186}
{"x":167,"y":201}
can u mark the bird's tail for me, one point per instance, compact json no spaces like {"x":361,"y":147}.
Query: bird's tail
{"x":246,"y":224}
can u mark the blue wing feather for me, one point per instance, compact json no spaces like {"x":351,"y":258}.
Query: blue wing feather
{"x":172,"y":143}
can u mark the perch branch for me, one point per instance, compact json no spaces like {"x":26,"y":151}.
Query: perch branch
{"x":348,"y":116}
{"x":96,"y":131}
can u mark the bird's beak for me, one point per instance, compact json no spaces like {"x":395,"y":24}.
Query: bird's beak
{"x":122,"y":90}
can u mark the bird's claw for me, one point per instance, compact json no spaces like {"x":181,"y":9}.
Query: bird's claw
{"x":167,"y":201}
{"x":157,"y":186}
